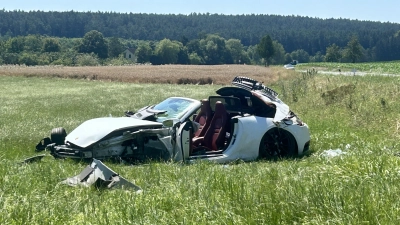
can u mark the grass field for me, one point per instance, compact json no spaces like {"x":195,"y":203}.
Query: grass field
{"x":358,"y":115}
{"x":167,"y":74}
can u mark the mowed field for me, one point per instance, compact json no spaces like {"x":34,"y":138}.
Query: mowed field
{"x":352,"y":114}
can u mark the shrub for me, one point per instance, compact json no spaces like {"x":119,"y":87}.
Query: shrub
{"x":195,"y":59}
{"x":118,"y":61}
{"x":10,"y":58}
{"x":87,"y":60}
{"x":28,"y":59}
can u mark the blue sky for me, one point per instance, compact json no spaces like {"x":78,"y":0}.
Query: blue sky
{"x":372,"y":10}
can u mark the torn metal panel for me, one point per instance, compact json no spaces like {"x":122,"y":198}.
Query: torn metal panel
{"x":101,"y":176}
{"x":35,"y":158}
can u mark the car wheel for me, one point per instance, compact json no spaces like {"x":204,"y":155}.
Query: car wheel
{"x":277,"y":142}
{"x":58,"y":135}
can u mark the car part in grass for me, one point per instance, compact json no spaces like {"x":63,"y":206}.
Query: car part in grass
{"x":101,"y":177}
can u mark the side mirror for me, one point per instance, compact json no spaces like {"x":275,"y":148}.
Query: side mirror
{"x":170,"y":122}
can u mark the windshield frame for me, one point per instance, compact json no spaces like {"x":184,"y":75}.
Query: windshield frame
{"x":176,"y":108}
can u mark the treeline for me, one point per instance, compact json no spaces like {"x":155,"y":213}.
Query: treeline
{"x":308,"y":37}
{"x":95,"y":49}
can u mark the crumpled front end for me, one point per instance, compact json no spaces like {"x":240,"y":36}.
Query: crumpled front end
{"x":109,"y":137}
{"x":138,"y":145}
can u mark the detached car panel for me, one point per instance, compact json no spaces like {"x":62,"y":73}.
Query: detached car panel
{"x":246,"y":121}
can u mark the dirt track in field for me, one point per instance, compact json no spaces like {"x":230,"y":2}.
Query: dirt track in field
{"x":172,"y":74}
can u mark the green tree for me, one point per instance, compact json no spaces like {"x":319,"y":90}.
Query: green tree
{"x":318,"y":57}
{"x":300,"y":55}
{"x":115,"y":47}
{"x":253,"y":55}
{"x":288,"y":58}
{"x":143,"y":52}
{"x":2,"y":46}
{"x":33,"y":43}
{"x":333,"y":53}
{"x":213,"y":49}
{"x":354,"y":50}
{"x":279,"y":56}
{"x":193,"y":46}
{"x":66,"y":58}
{"x":51,"y":45}
{"x":10,"y":58}
{"x":15,"y":45}
{"x":183,"y":56}
{"x":195,"y":59}
{"x":87,"y":60}
{"x":93,"y":42}
{"x":235,"y":49}
{"x":29,"y":59}
{"x":167,"y":51}
{"x":266,"y":49}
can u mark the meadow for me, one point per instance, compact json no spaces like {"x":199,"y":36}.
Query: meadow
{"x":163,"y":74}
{"x":355,"y":114}
{"x":376,"y":68}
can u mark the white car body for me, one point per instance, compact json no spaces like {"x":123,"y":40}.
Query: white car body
{"x":249,"y":120}
{"x":245,"y":145}
{"x":289,"y":66}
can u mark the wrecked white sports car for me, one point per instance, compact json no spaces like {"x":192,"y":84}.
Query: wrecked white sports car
{"x":246,"y":121}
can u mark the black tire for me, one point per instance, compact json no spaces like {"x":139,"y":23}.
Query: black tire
{"x":277,"y":142}
{"x":58,"y":135}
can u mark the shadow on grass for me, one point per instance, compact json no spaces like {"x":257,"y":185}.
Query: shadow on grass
{"x":287,"y":158}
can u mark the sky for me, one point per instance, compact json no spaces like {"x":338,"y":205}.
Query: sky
{"x":365,"y":10}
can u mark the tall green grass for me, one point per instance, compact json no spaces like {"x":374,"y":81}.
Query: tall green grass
{"x":359,"y":187}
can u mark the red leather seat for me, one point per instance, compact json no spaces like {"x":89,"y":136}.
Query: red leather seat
{"x":203,"y":118}
{"x":214,"y":137}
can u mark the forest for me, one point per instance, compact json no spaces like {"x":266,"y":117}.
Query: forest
{"x":188,"y":39}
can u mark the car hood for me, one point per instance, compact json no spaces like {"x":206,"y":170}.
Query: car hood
{"x":92,"y":131}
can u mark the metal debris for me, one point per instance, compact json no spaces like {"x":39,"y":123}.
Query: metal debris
{"x":101,"y":176}
{"x":32,"y":159}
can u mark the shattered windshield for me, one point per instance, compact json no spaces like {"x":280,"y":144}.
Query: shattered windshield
{"x":174,"y":107}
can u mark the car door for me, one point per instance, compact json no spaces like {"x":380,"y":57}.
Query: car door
{"x":184,"y":141}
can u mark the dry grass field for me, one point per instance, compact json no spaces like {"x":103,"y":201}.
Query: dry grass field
{"x":172,"y":74}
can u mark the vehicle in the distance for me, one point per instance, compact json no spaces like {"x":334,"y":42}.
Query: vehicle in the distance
{"x":291,"y":65}
{"x":245,"y":121}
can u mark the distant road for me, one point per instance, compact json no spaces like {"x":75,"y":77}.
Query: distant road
{"x":349,"y":73}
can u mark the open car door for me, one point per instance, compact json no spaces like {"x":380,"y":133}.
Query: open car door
{"x":184,"y":141}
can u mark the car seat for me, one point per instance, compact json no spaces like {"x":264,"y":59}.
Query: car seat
{"x":203,"y":118}
{"x":214,"y":137}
